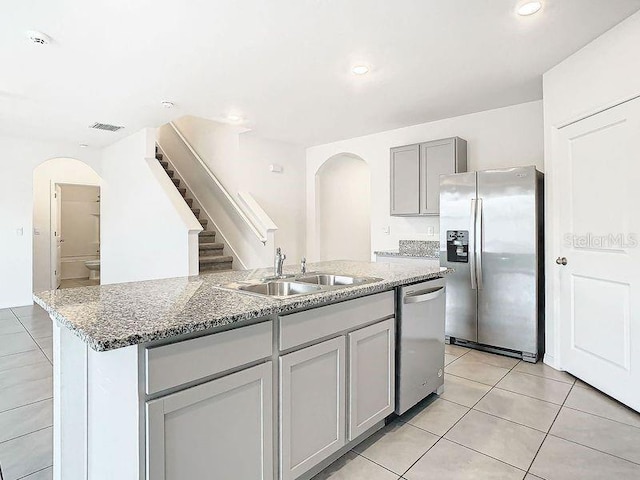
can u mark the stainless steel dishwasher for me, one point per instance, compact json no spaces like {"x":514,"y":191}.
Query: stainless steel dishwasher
{"x":420,"y":340}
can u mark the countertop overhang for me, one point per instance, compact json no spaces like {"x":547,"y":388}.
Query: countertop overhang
{"x":114,"y":316}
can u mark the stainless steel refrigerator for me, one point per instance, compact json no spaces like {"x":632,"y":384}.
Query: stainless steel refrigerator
{"x":492,"y":235}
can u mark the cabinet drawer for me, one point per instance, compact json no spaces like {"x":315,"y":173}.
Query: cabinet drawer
{"x":299,"y":328}
{"x":172,"y":365}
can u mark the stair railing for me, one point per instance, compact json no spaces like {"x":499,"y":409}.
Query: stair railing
{"x":257,"y":220}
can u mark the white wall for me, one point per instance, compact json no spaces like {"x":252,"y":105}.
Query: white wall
{"x":144,"y":234}
{"x":241,"y":162}
{"x":18,"y":158}
{"x":600,"y":75}
{"x":58,"y":170}
{"x":510,"y":136}
{"x":343,"y":186}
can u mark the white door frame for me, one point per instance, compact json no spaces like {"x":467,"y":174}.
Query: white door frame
{"x":553,"y":242}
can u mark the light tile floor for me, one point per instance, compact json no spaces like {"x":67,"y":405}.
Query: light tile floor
{"x":497,"y":419}
{"x":26,"y":394}
{"x":500,"y":418}
{"x":78,"y":282}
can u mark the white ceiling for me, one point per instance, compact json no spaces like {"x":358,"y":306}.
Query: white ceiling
{"x":283,"y":64}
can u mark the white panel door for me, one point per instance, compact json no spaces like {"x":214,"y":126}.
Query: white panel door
{"x":372,"y":375}
{"x":312,"y":406}
{"x":220,"y":429}
{"x":599,"y":259}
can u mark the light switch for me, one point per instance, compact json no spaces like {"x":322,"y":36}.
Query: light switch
{"x":20,"y":231}
{"x":386,"y":230}
{"x":36,"y":231}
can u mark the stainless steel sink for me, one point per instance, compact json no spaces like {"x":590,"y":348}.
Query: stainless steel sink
{"x":302,"y":284}
{"x":279,"y":289}
{"x":335,"y":280}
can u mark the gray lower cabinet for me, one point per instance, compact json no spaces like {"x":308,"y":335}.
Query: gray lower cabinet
{"x":220,"y":429}
{"x":415,"y":174}
{"x":371,"y":376}
{"x":312,"y":406}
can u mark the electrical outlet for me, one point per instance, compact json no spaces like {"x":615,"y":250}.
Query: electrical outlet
{"x":386,"y":230}
{"x":20,"y":231}
{"x":431,"y":231}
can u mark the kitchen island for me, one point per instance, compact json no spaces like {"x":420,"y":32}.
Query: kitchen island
{"x":179,"y":378}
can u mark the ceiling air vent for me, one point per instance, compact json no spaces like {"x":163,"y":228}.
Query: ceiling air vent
{"x":105,"y":126}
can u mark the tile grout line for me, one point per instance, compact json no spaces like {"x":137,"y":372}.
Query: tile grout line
{"x":600,"y":416}
{"x":27,"y":404}
{"x":550,"y":427}
{"x":25,"y":434}
{"x":33,"y":473}
{"x":511,"y":391}
{"x":594,"y":449}
{"x":458,"y":421}
{"x":37,"y":344}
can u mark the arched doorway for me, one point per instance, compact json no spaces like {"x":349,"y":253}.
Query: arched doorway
{"x":55,"y":181}
{"x":343,"y":200}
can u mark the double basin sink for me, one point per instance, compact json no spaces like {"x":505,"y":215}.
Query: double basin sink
{"x":303,"y":284}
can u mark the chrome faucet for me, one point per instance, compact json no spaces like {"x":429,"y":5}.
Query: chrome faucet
{"x":278,"y":262}
{"x":303,"y":265}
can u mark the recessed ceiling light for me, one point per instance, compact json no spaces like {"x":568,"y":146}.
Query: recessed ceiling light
{"x":38,"y":38}
{"x":83,"y":145}
{"x":529,"y":8}
{"x":360,"y":70}
{"x":167,"y":104}
{"x":234,"y":118}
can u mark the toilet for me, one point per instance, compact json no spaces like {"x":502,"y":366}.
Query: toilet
{"x":94,"y":269}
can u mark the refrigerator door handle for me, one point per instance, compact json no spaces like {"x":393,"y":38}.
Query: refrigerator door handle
{"x":472,"y":244}
{"x":479,"y":246}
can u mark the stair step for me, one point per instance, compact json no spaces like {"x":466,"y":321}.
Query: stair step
{"x":216,"y":267}
{"x":207,"y":237}
{"x":196,"y":212}
{"x":183,"y":191}
{"x":211,"y":249}
{"x":171,"y":173}
{"x":203,"y":222}
{"x":165,"y":165}
{"x":189,"y":202}
{"x":216,"y":262}
{"x":159,"y":156}
{"x":176,"y":182}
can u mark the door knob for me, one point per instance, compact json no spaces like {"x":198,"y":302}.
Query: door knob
{"x":561,"y":260}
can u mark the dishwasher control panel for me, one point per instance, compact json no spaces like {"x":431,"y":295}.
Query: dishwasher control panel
{"x":458,"y":246}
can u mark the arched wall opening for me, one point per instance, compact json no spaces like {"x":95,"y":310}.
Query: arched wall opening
{"x":47,"y":177}
{"x":343,"y":208}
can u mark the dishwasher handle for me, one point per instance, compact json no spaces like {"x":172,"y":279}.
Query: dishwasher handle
{"x":424,"y":295}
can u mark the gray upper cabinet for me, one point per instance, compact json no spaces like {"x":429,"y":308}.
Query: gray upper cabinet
{"x":405,"y":180}
{"x":416,"y":171}
{"x":220,"y":429}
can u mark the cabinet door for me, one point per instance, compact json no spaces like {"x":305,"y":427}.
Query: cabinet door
{"x":371,"y":376}
{"x":436,"y":158}
{"x":221,"y":429}
{"x":312,"y":406}
{"x":405,"y":180}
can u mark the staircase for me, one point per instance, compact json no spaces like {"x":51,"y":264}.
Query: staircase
{"x":211,"y":256}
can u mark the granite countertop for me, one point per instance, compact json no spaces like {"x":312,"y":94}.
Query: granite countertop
{"x":397,"y":253}
{"x":115,"y":316}
{"x":413,"y":249}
